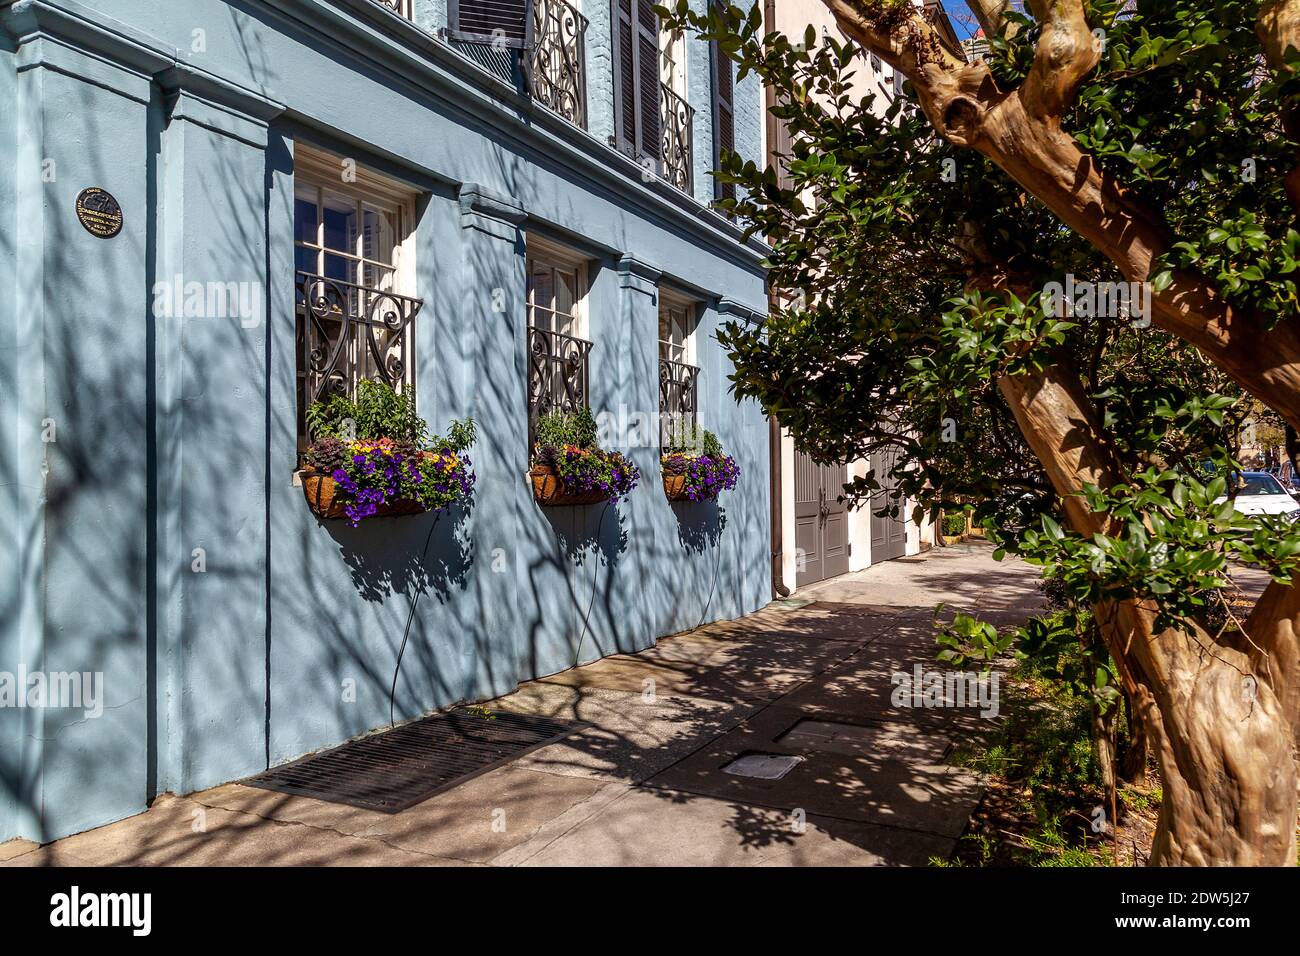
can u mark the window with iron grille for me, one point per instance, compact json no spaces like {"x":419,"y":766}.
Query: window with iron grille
{"x":558,"y":353}
{"x":678,"y":373}
{"x":354,"y":271}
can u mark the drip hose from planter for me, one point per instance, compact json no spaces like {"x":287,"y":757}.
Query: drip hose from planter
{"x":586,"y":618}
{"x":717,"y":565}
{"x":410,"y":618}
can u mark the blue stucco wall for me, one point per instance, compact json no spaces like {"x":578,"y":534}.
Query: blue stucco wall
{"x":179,"y":434}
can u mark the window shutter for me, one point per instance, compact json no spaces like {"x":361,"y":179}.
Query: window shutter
{"x":636,"y":79}
{"x":506,"y":23}
{"x":648,"y":77}
{"x":724,"y":115}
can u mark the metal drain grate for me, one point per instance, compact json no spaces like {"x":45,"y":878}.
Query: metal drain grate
{"x":399,"y":768}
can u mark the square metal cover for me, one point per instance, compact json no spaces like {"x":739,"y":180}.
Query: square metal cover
{"x":762,"y":766}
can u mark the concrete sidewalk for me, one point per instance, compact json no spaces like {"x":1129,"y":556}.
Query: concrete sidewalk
{"x":644,"y":784}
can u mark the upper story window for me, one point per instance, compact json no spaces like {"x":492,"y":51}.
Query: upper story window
{"x":678,"y":372}
{"x":354,"y":274}
{"x":652,"y":121}
{"x":558,"y":351}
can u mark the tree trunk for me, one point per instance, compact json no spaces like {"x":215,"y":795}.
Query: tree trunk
{"x":1222,"y":737}
{"x":1133,"y":765}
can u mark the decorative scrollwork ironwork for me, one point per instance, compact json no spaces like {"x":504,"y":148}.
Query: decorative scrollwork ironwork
{"x":557,"y":374}
{"x":555,"y":71}
{"x":678,"y":397}
{"x":400,"y":7}
{"x":677,"y":118}
{"x":349,"y":332}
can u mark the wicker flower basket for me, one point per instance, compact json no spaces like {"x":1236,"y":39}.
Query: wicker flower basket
{"x":548,"y":489}
{"x":675,"y":489}
{"x":321,"y":493}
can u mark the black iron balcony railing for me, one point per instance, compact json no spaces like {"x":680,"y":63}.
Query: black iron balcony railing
{"x":400,"y":7}
{"x":678,"y":397}
{"x":676,"y":117}
{"x":557,"y":374}
{"x":556,"y":77}
{"x":348,"y":332}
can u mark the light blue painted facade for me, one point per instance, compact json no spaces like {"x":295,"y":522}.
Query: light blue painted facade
{"x":130,"y":441}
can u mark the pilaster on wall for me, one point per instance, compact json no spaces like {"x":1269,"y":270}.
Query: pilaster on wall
{"x":73,"y":362}
{"x":493,"y":315}
{"x":210,"y":306}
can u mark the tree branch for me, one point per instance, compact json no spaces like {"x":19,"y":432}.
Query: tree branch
{"x":1067,"y":52}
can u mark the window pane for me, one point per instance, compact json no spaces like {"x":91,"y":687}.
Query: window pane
{"x":543,"y":288}
{"x":304,"y":259}
{"x":340,"y":224}
{"x":378,"y":277}
{"x":336,"y":267}
{"x":304,"y":216}
{"x":566,"y":293}
{"x":378,"y":240}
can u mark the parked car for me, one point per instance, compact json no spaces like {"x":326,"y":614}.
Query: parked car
{"x":1259,"y":493}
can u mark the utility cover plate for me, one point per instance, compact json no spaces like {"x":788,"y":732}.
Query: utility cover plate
{"x":762,"y":766}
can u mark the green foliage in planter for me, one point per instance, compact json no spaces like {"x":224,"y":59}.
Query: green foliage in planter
{"x":377,"y":411}
{"x":689,"y":439}
{"x":576,"y":429}
{"x":568,"y":443}
{"x":954,"y":523}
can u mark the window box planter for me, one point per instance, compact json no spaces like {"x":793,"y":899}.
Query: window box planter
{"x":548,"y":489}
{"x":691,"y":475}
{"x":570,"y":468}
{"x":326,"y":502}
{"x":373,"y":457}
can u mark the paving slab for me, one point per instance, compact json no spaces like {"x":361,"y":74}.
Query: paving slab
{"x":631,"y":737}
{"x":880,"y":683}
{"x":182,"y":832}
{"x":758,"y":675}
{"x":473,"y":822}
{"x":644,"y":784}
{"x":902,"y":780}
{"x":12,"y":848}
{"x":669,"y":828}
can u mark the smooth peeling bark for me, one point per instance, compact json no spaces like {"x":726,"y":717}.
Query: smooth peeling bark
{"x":1223,"y":741}
{"x":1273,"y":628}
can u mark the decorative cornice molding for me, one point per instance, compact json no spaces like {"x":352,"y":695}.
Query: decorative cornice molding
{"x":489,"y":212}
{"x":729,"y":306}
{"x":634,"y":273}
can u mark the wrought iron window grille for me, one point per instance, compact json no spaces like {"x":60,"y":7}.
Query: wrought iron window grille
{"x":557,"y":374}
{"x":349,"y":332}
{"x":555,"y":63}
{"x":677,"y":121}
{"x":678,"y":397}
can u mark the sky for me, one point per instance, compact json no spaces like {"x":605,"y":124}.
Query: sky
{"x":960,"y":16}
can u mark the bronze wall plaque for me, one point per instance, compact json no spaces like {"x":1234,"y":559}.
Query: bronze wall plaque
{"x":99,"y":212}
